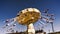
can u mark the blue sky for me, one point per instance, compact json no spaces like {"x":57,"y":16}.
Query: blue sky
{"x":9,"y":9}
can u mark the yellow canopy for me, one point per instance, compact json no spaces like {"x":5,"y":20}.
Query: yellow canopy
{"x":29,"y":15}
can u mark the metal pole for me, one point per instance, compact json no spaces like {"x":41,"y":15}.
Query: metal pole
{"x":52,"y":26}
{"x":27,"y":29}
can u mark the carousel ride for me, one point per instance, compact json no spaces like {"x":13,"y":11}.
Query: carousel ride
{"x":30,"y":16}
